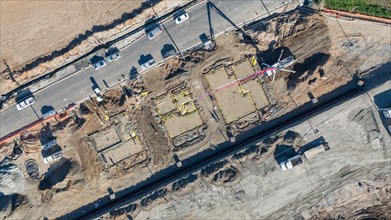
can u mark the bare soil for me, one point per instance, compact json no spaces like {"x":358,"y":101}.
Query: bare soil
{"x":322,"y":52}
{"x":153,"y":134}
{"x":252,"y":175}
{"x":350,"y":181}
{"x":32,"y":28}
{"x":39,"y":36}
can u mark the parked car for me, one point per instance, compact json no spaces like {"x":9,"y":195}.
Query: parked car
{"x":169,"y":53}
{"x":99,"y":64}
{"x":48,"y":114}
{"x":154,"y":32}
{"x":181,"y":18}
{"x":25,"y":103}
{"x":113,"y":55}
{"x":147,"y":64}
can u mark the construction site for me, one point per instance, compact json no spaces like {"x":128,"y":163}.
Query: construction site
{"x":180,"y":117}
{"x":198,"y":100}
{"x":238,"y":94}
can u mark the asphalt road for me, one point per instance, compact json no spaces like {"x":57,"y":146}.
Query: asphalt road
{"x":79,"y":86}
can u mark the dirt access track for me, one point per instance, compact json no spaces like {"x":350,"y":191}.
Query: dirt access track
{"x":57,"y":31}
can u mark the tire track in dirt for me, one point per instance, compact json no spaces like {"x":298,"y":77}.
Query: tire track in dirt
{"x":333,"y":183}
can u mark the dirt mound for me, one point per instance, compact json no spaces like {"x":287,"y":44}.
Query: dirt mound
{"x":12,"y":180}
{"x":11,"y":203}
{"x":318,"y":71}
{"x":366,"y":119}
{"x":221,"y":173}
{"x":153,"y":197}
{"x":374,"y":212}
{"x":83,"y":109}
{"x":129,"y":209}
{"x":182,"y":183}
{"x":115,"y":97}
{"x":182,"y":64}
{"x":209,"y":170}
{"x":227,"y":176}
{"x":62,"y":171}
{"x":291,"y":30}
{"x":153,"y":133}
{"x":10,"y":150}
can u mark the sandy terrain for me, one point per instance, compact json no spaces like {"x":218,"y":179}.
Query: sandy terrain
{"x":327,"y":54}
{"x":313,"y":190}
{"x":359,"y":150}
{"x":351,"y":180}
{"x":59,"y":31}
{"x":30,"y":29}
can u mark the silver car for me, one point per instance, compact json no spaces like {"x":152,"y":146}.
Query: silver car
{"x":25,"y":103}
{"x":154,"y":32}
{"x":147,"y":64}
{"x":113,"y":56}
{"x":99,"y":64}
{"x":49,"y":114}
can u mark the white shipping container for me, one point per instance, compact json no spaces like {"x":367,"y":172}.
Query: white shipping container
{"x":314,"y":151}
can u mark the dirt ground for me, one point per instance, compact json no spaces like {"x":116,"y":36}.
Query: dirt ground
{"x":356,"y":163}
{"x":239,"y":100}
{"x":26,"y":23}
{"x":333,"y":63}
{"x":327,"y":55}
{"x":34,"y":29}
{"x":350,"y":181}
{"x":154,"y":135}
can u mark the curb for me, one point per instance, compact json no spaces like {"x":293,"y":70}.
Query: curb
{"x":159,"y":63}
{"x":108,"y":44}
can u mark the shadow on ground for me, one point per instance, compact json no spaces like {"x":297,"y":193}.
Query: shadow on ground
{"x":284,"y":152}
{"x":55,"y":174}
{"x":210,"y":156}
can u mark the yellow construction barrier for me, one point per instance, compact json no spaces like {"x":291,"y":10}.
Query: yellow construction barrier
{"x":186,"y":110}
{"x":166,"y":117}
{"x":186,"y":93}
{"x":253,"y":60}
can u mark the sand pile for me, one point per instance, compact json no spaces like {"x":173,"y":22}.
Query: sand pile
{"x":12,"y":180}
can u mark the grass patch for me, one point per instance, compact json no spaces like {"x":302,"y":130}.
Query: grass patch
{"x":360,"y":6}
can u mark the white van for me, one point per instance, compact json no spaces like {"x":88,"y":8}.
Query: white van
{"x":25,"y":103}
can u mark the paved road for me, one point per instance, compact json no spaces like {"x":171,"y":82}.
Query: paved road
{"x":79,"y":86}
